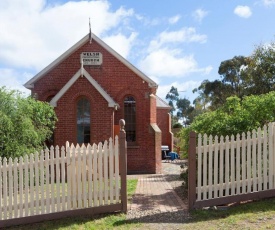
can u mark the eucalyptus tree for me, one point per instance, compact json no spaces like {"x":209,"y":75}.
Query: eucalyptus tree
{"x":172,"y":97}
{"x":261,"y":69}
{"x":181,"y":107}
{"x":234,"y":73}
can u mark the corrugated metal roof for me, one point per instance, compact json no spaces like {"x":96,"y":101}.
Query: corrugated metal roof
{"x":162,"y":104}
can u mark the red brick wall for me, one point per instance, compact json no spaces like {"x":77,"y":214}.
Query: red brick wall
{"x":101,"y":114}
{"x":157,"y":156}
{"x":153,"y":111}
{"x":164,"y":123}
{"x":118,"y":81}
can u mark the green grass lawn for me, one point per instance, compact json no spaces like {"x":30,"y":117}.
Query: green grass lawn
{"x":254,"y":215}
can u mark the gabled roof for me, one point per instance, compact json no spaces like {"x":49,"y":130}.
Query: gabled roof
{"x":111,"y":102}
{"x":161,"y":104}
{"x":30,"y":83}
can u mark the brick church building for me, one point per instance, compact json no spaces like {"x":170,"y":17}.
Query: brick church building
{"x":91,"y":88}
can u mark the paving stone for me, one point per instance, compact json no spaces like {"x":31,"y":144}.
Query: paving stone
{"x":155,"y":199}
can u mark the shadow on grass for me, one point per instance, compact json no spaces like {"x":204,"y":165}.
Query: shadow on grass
{"x":265,"y":206}
{"x":161,"y":218}
{"x":102,"y":221}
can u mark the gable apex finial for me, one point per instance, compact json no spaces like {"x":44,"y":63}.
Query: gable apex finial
{"x":90,"y":32}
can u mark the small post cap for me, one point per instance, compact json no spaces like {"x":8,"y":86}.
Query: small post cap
{"x":122,"y":124}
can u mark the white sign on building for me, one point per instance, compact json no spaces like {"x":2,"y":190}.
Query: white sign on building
{"x":91,"y":58}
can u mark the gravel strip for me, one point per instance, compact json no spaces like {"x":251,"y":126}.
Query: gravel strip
{"x":156,"y":216}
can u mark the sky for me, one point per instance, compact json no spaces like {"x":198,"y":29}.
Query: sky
{"x":176,"y":43}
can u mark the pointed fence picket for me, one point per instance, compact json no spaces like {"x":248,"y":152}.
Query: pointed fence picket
{"x":60,"y":180}
{"x":232,"y":168}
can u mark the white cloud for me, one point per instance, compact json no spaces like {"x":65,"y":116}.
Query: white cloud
{"x":205,"y":71}
{"x":148,"y":21}
{"x":33,"y":34}
{"x":170,"y":63}
{"x":120,"y":43}
{"x":174,"y":19}
{"x":166,"y":63}
{"x":199,"y":14}
{"x":268,"y":2}
{"x":164,"y":60}
{"x":183,"y":35}
{"x":154,"y":78}
{"x":13,"y":79}
{"x":243,"y":11}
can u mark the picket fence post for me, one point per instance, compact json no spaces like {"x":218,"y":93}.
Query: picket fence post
{"x":192,"y":170}
{"x":123,"y":164}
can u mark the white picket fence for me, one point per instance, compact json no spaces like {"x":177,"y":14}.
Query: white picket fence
{"x":60,"y":180}
{"x":235,"y":165}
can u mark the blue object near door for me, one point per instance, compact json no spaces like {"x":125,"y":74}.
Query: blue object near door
{"x":173,"y":155}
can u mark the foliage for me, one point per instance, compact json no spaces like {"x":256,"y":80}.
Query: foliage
{"x":181,"y":108}
{"x":233,"y":80}
{"x":241,"y":76}
{"x":177,"y":125}
{"x":261,"y":69}
{"x":184,"y":110}
{"x":234,"y":117}
{"x":184,"y":177}
{"x":233,"y":73}
{"x":25,"y":123}
{"x":172,"y":96}
{"x":184,"y":137}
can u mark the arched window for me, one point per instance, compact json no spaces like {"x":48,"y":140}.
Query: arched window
{"x":83,"y":121}
{"x":130,"y":118}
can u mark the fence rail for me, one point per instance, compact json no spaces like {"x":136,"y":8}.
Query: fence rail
{"x":64,"y":181}
{"x":231,"y":167}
